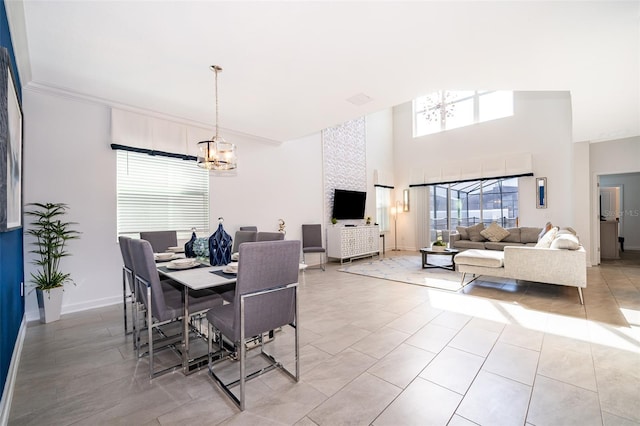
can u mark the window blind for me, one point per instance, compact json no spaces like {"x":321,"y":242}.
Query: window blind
{"x":156,"y":193}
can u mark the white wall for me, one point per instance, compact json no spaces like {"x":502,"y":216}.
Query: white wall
{"x":67,"y":158}
{"x":541,"y":125}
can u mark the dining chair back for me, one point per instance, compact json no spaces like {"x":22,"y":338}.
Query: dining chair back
{"x":160,"y":240}
{"x":243,"y":237}
{"x":249,"y":228}
{"x":270,"y":236}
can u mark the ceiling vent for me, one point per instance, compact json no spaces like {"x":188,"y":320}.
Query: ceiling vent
{"x":359,"y":99}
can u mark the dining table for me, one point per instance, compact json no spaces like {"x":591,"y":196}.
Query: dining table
{"x":203,"y":276}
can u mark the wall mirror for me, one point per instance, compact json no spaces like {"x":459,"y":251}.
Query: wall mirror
{"x":541,"y":193}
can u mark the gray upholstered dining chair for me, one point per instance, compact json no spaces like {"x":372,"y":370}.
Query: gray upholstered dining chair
{"x":312,"y":242}
{"x":160,"y":240}
{"x":128,"y":293}
{"x":163,"y":303}
{"x":243,"y":237}
{"x":266,"y":298}
{"x":270,"y":236}
{"x":249,"y":228}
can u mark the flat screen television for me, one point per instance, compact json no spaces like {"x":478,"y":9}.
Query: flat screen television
{"x":348,"y":204}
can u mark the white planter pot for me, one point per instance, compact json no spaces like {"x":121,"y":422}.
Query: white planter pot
{"x":50,"y":304}
{"x":438,"y":248}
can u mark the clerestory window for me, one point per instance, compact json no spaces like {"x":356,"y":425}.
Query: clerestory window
{"x":450,"y":109}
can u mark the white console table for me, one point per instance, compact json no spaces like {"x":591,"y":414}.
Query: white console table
{"x":351,"y":242}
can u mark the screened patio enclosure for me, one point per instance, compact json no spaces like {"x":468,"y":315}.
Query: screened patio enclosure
{"x":471,"y":202}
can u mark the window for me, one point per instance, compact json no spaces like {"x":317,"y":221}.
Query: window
{"x":448,"y":109}
{"x":468,"y":203}
{"x":383,"y":207}
{"x":156,"y":193}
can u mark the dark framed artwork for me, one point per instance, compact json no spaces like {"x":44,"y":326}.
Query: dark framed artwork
{"x":10,"y":149}
{"x":541,"y":192}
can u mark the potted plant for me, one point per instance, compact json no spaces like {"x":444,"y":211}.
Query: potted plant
{"x":334,"y":220}
{"x":51,"y":234}
{"x":439,"y":244}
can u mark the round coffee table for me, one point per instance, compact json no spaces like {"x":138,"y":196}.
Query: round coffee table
{"x":447,"y":252}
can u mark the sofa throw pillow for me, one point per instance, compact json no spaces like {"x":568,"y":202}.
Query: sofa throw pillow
{"x":494,"y":232}
{"x":464,"y":235}
{"x":474,"y":232}
{"x":545,"y":229}
{"x":565,"y":242}
{"x":547,"y":239}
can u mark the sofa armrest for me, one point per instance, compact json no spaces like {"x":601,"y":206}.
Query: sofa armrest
{"x":454,"y":237}
{"x":555,"y":266}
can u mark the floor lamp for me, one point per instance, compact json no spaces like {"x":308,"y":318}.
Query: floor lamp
{"x":396,"y":211}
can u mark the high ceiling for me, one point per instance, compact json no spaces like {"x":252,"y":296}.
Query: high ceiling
{"x":290,"y":67}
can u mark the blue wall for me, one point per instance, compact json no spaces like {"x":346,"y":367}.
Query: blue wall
{"x":11,"y":257}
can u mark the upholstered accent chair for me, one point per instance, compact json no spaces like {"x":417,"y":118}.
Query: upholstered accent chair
{"x":265,"y":299}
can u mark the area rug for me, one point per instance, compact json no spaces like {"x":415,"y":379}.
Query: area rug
{"x":406,"y":269}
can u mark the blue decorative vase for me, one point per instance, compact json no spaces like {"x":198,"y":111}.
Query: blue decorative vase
{"x":220,"y":247}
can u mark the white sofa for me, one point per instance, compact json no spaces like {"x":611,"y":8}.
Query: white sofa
{"x":546,"y":265}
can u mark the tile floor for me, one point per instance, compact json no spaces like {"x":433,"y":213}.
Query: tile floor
{"x":373,"y":352}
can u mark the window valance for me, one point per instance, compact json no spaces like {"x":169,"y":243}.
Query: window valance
{"x":463,"y":170}
{"x":155,"y":135}
{"x":382,"y":179}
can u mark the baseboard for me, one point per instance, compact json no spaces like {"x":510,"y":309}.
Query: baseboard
{"x":78,"y":307}
{"x":7,"y":394}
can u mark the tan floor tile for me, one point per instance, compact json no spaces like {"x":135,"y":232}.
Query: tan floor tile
{"x":432,"y":337}
{"x":475,"y":340}
{"x":495,"y":400}
{"x":521,"y":336}
{"x":574,"y":368}
{"x":558,"y":403}
{"x":357,"y":403}
{"x":331,"y":375}
{"x":402,"y":365}
{"x":422,"y":403}
{"x":618,"y":392}
{"x":381,"y":342}
{"x":512,"y":362}
{"x":453,"y":369}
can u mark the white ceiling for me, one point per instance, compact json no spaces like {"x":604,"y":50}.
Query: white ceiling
{"x":289,"y":67}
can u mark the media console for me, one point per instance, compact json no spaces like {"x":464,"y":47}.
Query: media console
{"x":352,"y":242}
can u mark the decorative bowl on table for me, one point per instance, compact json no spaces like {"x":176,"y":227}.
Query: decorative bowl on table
{"x":183,"y":263}
{"x":438,"y":248}
{"x":163,"y":257}
{"x":231,"y":268}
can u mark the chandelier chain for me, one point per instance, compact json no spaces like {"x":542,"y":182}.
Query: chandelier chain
{"x":215,"y":69}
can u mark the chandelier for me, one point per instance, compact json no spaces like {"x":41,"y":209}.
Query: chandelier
{"x":440,"y":106}
{"x":217,"y":154}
